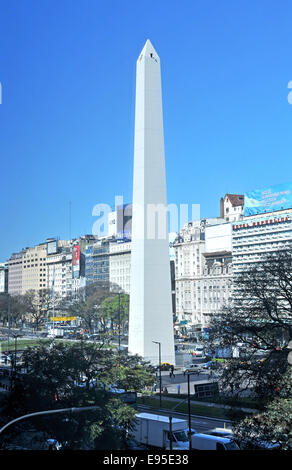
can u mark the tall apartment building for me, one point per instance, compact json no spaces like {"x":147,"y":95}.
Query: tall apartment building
{"x":97,"y":261}
{"x":256,"y":236}
{"x":120,"y":265}
{"x":59,"y":267}
{"x":34,"y":268}
{"x":15,"y":273}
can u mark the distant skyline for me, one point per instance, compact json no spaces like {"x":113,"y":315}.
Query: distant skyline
{"x":67,"y":74}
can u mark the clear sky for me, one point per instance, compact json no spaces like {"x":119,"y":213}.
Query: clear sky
{"x":67,"y":70}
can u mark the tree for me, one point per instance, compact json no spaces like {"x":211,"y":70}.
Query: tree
{"x":4,"y":307}
{"x":116,"y":309}
{"x":12,"y":309}
{"x":259,"y":319}
{"x":274,"y":425}
{"x":88,"y":305}
{"x":61,"y":376}
{"x":38,"y":303}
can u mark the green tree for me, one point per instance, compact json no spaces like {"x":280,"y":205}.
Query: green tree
{"x":259,"y":319}
{"x":88,"y":305}
{"x":116,"y":310}
{"x":60,"y":376}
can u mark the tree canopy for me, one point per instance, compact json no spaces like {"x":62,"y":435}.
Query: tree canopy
{"x":258,"y":323}
{"x":59,"y":376}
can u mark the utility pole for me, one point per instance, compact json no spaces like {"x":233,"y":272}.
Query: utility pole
{"x":189,"y":414}
{"x":160,"y":384}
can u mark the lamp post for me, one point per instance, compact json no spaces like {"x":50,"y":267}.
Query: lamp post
{"x":189,"y":414}
{"x":189,"y":410}
{"x":119,"y":294}
{"x":160,"y":387}
{"x":63,"y":410}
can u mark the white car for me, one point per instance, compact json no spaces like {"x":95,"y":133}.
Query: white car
{"x":199,"y":351}
{"x":221,"y":432}
{"x":192,"y":368}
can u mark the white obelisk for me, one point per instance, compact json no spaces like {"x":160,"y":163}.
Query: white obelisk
{"x":150,"y":317}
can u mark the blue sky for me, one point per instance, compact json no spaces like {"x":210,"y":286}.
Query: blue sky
{"x":67,"y":70}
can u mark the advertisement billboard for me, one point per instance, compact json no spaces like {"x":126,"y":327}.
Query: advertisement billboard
{"x":271,"y":199}
{"x":52,"y":247}
{"x":76,"y":261}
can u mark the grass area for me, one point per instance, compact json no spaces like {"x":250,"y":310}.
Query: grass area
{"x":20,"y":344}
{"x":202,"y":410}
{"x":34,"y":342}
{"x":245,"y":402}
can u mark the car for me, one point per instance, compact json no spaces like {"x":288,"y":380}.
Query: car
{"x":192,"y":368}
{"x":221,"y":432}
{"x":53,"y":444}
{"x":198,"y":352}
{"x":166,"y":366}
{"x":207,"y":365}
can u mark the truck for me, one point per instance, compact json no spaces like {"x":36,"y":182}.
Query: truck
{"x":55,"y":333}
{"x":209,"y":442}
{"x":154,"y":431}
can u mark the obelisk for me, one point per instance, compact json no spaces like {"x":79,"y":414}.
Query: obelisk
{"x":150,"y":319}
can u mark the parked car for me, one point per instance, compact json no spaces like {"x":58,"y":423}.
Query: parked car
{"x":221,"y":432}
{"x":192,"y":368}
{"x":209,"y":442}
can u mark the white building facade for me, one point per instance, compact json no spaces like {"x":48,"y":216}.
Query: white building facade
{"x":120,"y":265}
{"x":256,"y":236}
{"x":203,"y":271}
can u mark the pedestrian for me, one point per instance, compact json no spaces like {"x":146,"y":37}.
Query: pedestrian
{"x":165,"y":391}
{"x":172,"y":371}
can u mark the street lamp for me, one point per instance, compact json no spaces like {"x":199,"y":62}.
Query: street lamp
{"x":189,"y":410}
{"x":63,"y":410}
{"x":160,"y":387}
{"x":120,"y":291}
{"x":189,"y":413}
{"x":15,"y":336}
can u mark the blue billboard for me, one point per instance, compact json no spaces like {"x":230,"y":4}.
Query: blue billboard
{"x":271,"y":199}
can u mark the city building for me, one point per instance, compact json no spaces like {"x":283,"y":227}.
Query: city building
{"x":59,"y":268}
{"x":232,"y":207}
{"x":203,"y":271}
{"x":3,"y":277}
{"x":256,"y":236}
{"x":120,"y":265}
{"x":34,"y":268}
{"x":15,"y":273}
{"x":97,"y":260}
{"x":210,"y":252}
